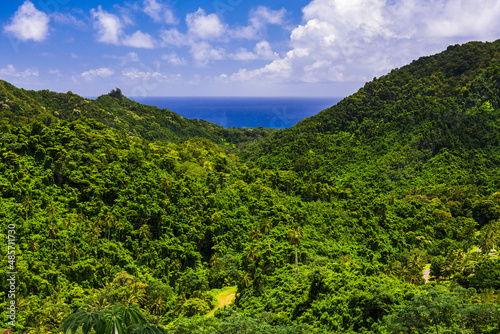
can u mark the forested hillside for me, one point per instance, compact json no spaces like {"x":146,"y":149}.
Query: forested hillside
{"x":326,"y":227}
{"x":119,"y":112}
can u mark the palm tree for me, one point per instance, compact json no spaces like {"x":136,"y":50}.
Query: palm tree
{"x":34,"y":245}
{"x":246,"y":281}
{"x":52,"y":232}
{"x":266,"y":227}
{"x":250,"y":253}
{"x":120,"y":225}
{"x":166,"y":184}
{"x":28,"y":205}
{"x":136,"y":294}
{"x":295,"y":235}
{"x":73,"y":251}
{"x":144,"y":233}
{"x":67,"y":223}
{"x":255,"y":233}
{"x":51,"y":210}
{"x":181,"y":299}
{"x":489,"y":237}
{"x":95,"y":232}
{"x":215,"y":256}
{"x":109,"y":221}
{"x":158,"y":305}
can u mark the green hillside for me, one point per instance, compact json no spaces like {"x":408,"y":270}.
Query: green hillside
{"x":121,"y":216}
{"x":119,"y":112}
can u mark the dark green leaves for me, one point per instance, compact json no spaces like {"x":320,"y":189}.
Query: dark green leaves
{"x":112,"y":320}
{"x":86,"y":320}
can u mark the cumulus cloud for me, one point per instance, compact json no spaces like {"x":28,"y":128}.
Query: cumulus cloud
{"x":203,"y":53}
{"x":10,"y":71}
{"x":174,"y":59}
{"x":130,"y":57}
{"x":203,"y":26}
{"x":102,"y":72}
{"x":174,"y":37}
{"x":261,"y":51}
{"x":28,"y":23}
{"x":259,"y":19}
{"x":134,"y":73}
{"x":204,"y":30}
{"x":139,"y":40}
{"x":456,"y":18}
{"x":55,"y":72}
{"x":149,"y":78}
{"x":109,"y":26}
{"x":159,"y":12}
{"x":263,"y":16}
{"x":68,"y":19}
{"x":278,"y":69}
{"x":110,"y":30}
{"x":355,"y":40}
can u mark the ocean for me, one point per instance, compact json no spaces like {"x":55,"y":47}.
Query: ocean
{"x":269,"y":112}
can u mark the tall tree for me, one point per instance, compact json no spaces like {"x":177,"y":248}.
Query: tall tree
{"x":295,"y":235}
{"x":266,"y":226}
{"x":144,"y":233}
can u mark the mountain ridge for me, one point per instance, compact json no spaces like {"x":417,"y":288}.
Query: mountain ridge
{"x":325,"y":227}
{"x":136,"y":119}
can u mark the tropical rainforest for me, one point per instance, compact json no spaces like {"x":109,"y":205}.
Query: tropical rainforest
{"x":380,"y":214}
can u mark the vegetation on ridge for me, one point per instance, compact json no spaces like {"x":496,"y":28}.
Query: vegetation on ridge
{"x":324,"y":227}
{"x":117,"y":111}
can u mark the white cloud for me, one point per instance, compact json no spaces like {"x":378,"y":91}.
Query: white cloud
{"x":110,"y":31}
{"x":56,"y":73}
{"x":10,"y":71}
{"x":261,"y":51}
{"x":457,"y":18}
{"x":139,"y":40}
{"x":355,"y":40}
{"x":28,"y":23}
{"x":203,"y":26}
{"x":135,"y":74}
{"x":102,"y":72}
{"x":263,"y":15}
{"x":279,"y":69}
{"x":173,"y":37}
{"x":130,"y":57}
{"x":68,"y":19}
{"x":109,"y":26}
{"x":259,"y":19}
{"x":174,"y":59}
{"x":159,"y":12}
{"x":203,"y":53}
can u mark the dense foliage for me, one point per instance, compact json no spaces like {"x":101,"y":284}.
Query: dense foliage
{"x":117,"y":111}
{"x":324,"y":227}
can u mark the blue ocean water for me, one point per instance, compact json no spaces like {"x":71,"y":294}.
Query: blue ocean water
{"x":269,"y":112}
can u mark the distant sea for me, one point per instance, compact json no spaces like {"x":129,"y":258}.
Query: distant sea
{"x":269,"y":112}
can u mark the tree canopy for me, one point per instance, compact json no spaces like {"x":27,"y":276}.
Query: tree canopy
{"x":131,"y":218}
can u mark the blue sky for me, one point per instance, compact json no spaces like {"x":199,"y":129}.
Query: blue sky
{"x":227,"y":47}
